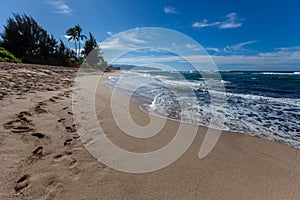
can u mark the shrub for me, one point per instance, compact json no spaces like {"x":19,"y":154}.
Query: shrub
{"x":6,"y":56}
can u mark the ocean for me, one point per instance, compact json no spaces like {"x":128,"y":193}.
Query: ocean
{"x":262,"y":104}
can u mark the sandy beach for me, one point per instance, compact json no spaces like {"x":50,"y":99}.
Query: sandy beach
{"x":42,"y":156}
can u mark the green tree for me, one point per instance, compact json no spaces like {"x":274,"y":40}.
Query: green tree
{"x":75,"y":34}
{"x":80,"y":37}
{"x":24,"y":38}
{"x":90,"y":44}
{"x":72,"y":34}
{"x":21,"y":36}
{"x":93,"y":55}
{"x":64,"y":54}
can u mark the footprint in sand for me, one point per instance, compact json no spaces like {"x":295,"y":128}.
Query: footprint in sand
{"x":75,"y":171}
{"x":71,"y":129}
{"x":24,"y":119}
{"x":61,"y":120}
{"x":76,"y":136}
{"x":21,"y":184}
{"x":52,"y":100}
{"x":38,"y":135}
{"x":60,"y":157}
{"x":66,"y":94}
{"x":69,"y":153}
{"x":50,"y":89}
{"x":68,"y":142}
{"x":41,"y":103}
{"x":38,"y":152}
{"x":68,"y":161}
{"x":19,"y":125}
{"x":73,"y":167}
{"x":24,"y":113}
{"x":72,"y":163}
{"x":65,"y":108}
{"x":54,"y":189}
{"x":39,"y":110}
{"x":21,"y":129}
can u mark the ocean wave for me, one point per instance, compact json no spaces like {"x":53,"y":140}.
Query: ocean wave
{"x":263,"y":116}
{"x":278,"y":73}
{"x":245,"y":115}
{"x":286,"y":101}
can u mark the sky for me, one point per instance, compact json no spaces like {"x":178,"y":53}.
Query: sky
{"x":235,"y":34}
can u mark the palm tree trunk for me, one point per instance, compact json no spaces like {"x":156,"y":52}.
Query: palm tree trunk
{"x":79,"y":48}
{"x":76,"y":49}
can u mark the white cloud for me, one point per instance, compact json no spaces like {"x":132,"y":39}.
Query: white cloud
{"x":204,"y":23}
{"x":67,"y":37}
{"x":123,"y":41}
{"x":283,"y":52}
{"x":113,"y":43}
{"x":131,"y":37}
{"x":231,"y":20}
{"x":279,"y":60}
{"x":170,"y":10}
{"x":294,"y":48}
{"x":192,"y":46}
{"x":238,"y":47}
{"x":61,"y":7}
{"x":212,"y":49}
{"x":109,"y":33}
{"x":263,"y":59}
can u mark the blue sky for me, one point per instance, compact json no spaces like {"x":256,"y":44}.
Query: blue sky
{"x":239,"y":35}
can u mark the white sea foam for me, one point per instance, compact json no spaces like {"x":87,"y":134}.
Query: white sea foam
{"x":265,"y":99}
{"x":278,"y":73}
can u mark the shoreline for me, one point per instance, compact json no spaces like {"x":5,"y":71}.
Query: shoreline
{"x":56,"y":165}
{"x":241,"y":146}
{"x":140,"y":100}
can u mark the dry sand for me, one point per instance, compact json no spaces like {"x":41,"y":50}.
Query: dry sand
{"x":42,"y":156}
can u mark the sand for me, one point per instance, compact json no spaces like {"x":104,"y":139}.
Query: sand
{"x":42,"y":156}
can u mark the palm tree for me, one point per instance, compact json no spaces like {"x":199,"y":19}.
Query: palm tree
{"x":80,"y":37}
{"x":72,"y":34}
{"x":90,"y":44}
